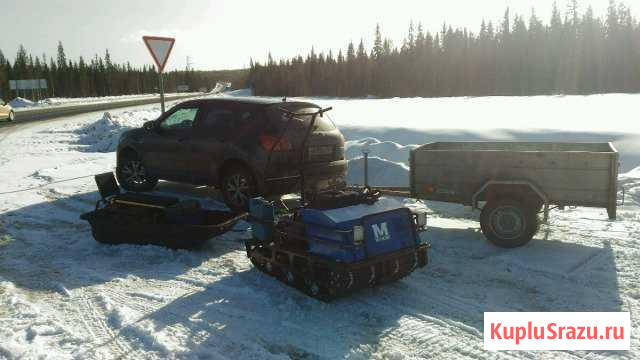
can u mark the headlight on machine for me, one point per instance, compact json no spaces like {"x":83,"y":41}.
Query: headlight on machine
{"x":358,"y":235}
{"x":421,"y":220}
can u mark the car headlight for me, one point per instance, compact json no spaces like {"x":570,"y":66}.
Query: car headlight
{"x":358,"y":235}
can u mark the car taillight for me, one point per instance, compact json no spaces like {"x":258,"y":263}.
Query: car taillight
{"x":271,"y":142}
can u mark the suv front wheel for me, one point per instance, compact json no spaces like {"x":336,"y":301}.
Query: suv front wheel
{"x":132,"y":174}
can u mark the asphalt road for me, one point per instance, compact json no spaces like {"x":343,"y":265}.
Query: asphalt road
{"x":25,"y":115}
{"x":6,"y":127}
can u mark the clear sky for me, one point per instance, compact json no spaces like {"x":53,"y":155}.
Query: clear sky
{"x":224,"y":34}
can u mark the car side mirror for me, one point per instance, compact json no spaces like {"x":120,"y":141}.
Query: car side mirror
{"x":149,"y":125}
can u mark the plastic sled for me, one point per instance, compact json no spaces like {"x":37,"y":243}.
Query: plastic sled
{"x":133,"y":218}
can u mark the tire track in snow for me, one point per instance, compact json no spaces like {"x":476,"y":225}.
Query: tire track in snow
{"x":170,"y":318}
{"x":226,"y":314}
{"x":102,"y":332}
{"x":411,"y":330}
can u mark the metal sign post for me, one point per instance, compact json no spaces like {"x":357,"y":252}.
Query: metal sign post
{"x":161,"y":91}
{"x":160,"y":49}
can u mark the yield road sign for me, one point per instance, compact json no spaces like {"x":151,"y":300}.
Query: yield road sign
{"x":160,"y":49}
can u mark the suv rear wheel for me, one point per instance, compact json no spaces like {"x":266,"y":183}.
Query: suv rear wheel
{"x":238,"y":186}
{"x":132,"y":174}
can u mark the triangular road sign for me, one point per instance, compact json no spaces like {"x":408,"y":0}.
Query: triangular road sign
{"x":160,"y":49}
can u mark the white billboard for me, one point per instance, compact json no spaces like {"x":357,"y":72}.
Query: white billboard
{"x":32,"y":84}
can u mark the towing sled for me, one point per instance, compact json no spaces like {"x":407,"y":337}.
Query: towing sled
{"x":330,"y":252}
{"x":143,"y":219}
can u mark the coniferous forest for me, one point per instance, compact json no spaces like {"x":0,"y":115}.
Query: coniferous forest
{"x":99,"y":76}
{"x":574,"y":52}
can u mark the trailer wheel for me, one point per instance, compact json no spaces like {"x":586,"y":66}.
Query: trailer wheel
{"x":508,"y":223}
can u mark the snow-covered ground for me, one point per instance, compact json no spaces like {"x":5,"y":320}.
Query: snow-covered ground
{"x":62,"y":295}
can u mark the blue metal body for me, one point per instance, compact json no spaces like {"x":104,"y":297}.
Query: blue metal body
{"x":263,"y":215}
{"x":384,"y":232}
{"x":388,"y":227}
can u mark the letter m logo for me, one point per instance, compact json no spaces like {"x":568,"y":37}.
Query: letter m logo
{"x":380,"y":232}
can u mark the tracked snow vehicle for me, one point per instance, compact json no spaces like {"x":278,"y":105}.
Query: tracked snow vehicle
{"x":335,"y":242}
{"x":328,"y":253}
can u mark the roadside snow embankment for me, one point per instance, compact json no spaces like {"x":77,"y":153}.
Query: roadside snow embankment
{"x":630,"y":181}
{"x":103,"y":135}
{"x":25,"y":103}
{"x":21,"y":103}
{"x":382,"y":172}
{"x":388,"y":162}
{"x":239,"y":93}
{"x":388,"y":150}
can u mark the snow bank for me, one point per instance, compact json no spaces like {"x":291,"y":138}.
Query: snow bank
{"x":103,"y":135}
{"x":86,"y":100}
{"x":632,"y":174}
{"x":240,"y":92}
{"x":630,"y":182}
{"x":388,"y":162}
{"x":382,"y":172}
{"x":21,"y":103}
{"x":388,"y":150}
{"x":25,"y":103}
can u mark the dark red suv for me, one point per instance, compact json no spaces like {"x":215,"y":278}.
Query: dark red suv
{"x":244,"y":146}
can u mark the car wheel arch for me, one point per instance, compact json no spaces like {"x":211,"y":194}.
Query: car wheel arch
{"x":233,"y":162}
{"x":128,"y":151}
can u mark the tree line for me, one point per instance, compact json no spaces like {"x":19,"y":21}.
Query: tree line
{"x":99,"y":76}
{"x":575,"y":52}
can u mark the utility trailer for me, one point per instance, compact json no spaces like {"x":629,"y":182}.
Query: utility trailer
{"x":513,"y":181}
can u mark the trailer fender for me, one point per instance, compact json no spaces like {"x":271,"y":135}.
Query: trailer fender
{"x":505,"y":186}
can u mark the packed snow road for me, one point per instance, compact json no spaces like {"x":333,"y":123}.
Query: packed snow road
{"x":62,"y":295}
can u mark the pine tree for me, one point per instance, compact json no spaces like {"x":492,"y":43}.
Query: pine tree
{"x":411,"y":38}
{"x":377,"y":45}
{"x":4,"y":78}
{"x":62,"y":58}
